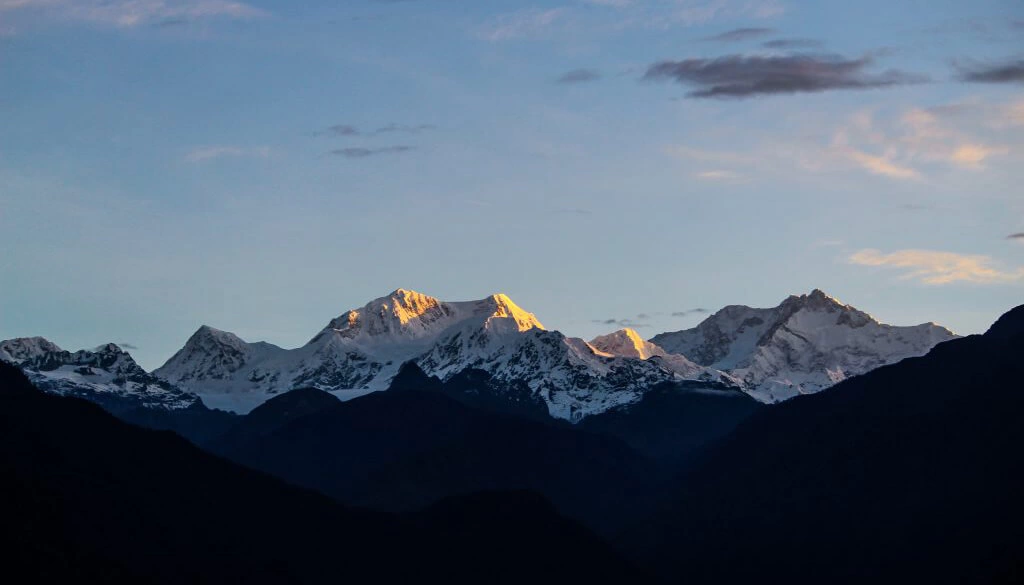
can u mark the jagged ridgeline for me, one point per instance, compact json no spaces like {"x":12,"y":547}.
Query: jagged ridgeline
{"x":805,"y":344}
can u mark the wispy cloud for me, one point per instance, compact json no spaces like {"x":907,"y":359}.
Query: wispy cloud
{"x":1011,"y":71}
{"x":362,"y":152}
{"x":1019,"y":236}
{"x":127,"y":346}
{"x":208,"y":153}
{"x":343,"y":130}
{"x":740,"y":76}
{"x":718,"y":175}
{"x":880,"y":164}
{"x":132,"y":13}
{"x":618,"y":15}
{"x":688,"y":312}
{"x":740,"y":34}
{"x":917,"y":137}
{"x":622,"y":323}
{"x":936,"y":268}
{"x":579,"y":76}
{"x":404,"y":128}
{"x":792,"y":44}
{"x":527,"y":23}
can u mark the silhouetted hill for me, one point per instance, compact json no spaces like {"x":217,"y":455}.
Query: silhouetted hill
{"x":676,"y":421}
{"x":405,"y":448}
{"x":88,"y":498}
{"x":274,"y":414}
{"x":912,"y":473}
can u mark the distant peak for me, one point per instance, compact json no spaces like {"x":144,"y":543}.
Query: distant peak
{"x":626,"y":342}
{"x":108,"y":348}
{"x":206,"y":335}
{"x":506,"y":307}
{"x":816,"y":299}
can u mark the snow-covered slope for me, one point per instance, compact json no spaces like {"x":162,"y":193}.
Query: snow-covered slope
{"x":628,"y":343}
{"x":106,"y":375}
{"x":804,"y":345}
{"x":362,"y":350}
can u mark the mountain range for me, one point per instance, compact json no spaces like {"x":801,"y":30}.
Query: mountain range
{"x":911,"y":472}
{"x":802,"y":346}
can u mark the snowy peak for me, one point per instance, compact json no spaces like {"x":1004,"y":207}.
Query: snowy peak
{"x":505,"y":315}
{"x":627,"y":343}
{"x":107,"y":375}
{"x":211,"y":354}
{"x":803,"y":345}
{"x":407,"y":315}
{"x":24,"y":349}
{"x":403,"y":313}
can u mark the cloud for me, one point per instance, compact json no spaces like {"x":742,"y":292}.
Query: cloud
{"x":404,"y":128}
{"x":349,"y":130}
{"x":362,"y":152}
{"x":1019,"y":236}
{"x":739,"y":76}
{"x":132,"y":13}
{"x":717,"y":175}
{"x":342,"y":130}
{"x":622,"y":323}
{"x":935,"y":267}
{"x":127,"y":346}
{"x":208,"y":153}
{"x":521,"y":24}
{"x":1007,"y":72}
{"x":881,"y":165}
{"x":740,"y":34}
{"x":916,"y":137}
{"x":579,"y":76}
{"x":973,"y":155}
{"x":792,"y":44}
{"x":688,"y":312}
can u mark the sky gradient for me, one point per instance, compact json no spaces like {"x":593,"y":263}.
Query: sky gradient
{"x":264,"y":166}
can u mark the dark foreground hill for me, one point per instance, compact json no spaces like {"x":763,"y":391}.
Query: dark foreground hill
{"x":413,"y":445}
{"x":89,"y":498}
{"x":913,"y":473}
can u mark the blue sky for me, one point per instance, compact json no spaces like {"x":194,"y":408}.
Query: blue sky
{"x":263,"y":166}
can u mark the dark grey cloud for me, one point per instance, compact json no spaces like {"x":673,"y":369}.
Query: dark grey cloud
{"x":792,"y":44}
{"x":739,"y":76}
{"x":362,"y":152}
{"x":342,"y":130}
{"x":579,"y":76}
{"x":350,"y":130}
{"x":1011,"y":71}
{"x":127,"y":346}
{"x":688,"y":312}
{"x":1017,"y":236}
{"x":740,"y":34}
{"x":403,"y":128}
{"x":621,"y":323}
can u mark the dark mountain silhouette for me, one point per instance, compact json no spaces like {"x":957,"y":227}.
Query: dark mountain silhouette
{"x":675,"y":421}
{"x":912,"y":473}
{"x":272,"y":415}
{"x":413,"y":445}
{"x":89,"y":498}
{"x":196,"y":423}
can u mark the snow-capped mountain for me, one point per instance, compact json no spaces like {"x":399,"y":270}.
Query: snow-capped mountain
{"x":804,"y":345}
{"x":362,"y":350}
{"x":629,"y":344}
{"x":106,"y":375}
